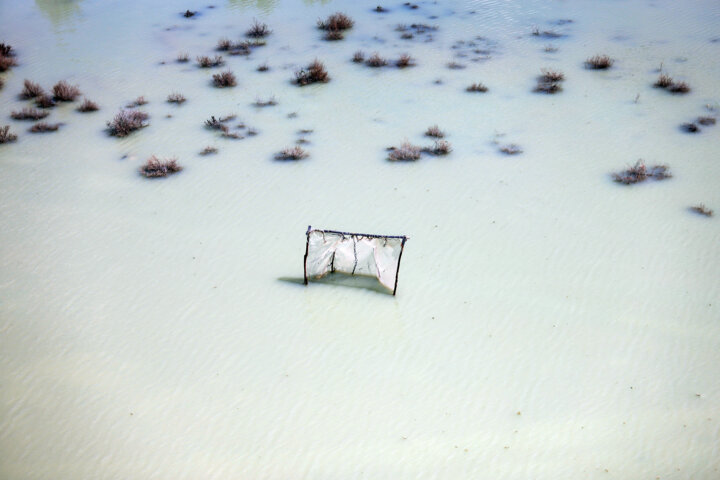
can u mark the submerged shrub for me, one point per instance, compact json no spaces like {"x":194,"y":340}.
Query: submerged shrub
{"x":258,"y":30}
{"x":31,"y":90}
{"x":29,"y":113}
{"x":337,"y":21}
{"x":6,"y":136}
{"x":64,"y":92}
{"x":43,"y":127}
{"x":291,"y":153}
{"x":477,"y":87}
{"x":126,"y":122}
{"x":159,"y":167}
{"x":599,"y":62}
{"x":406,"y":152}
{"x":88,"y":106}
{"x":314,"y":73}
{"x":639,"y":173}
{"x":224,"y":79}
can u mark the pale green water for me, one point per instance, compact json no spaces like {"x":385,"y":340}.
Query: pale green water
{"x":156,"y":329}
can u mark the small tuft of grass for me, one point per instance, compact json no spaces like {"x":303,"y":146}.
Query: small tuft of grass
{"x":663,"y":81}
{"x":258,"y":30}
{"x":126,"y":122}
{"x":314,"y":73}
{"x":441,"y":147}
{"x":358,"y":57}
{"x":639,"y":173}
{"x":404,"y":61}
{"x":406,"y":152}
{"x":43,"y":127}
{"x":549,"y":75}
{"x":6,"y":63}
{"x":511,"y":149}
{"x":44,"y":101}
{"x":263,"y":67}
{"x":182,"y":57}
{"x":223,"y":45}
{"x":455,"y":65}
{"x":31,"y":90}
{"x":224,"y":79}
{"x":706,"y":121}
{"x":88,"y":106}
{"x":271,"y":101}
{"x":29,"y":113}
{"x":477,"y":87}
{"x":64,"y":92}
{"x":177,"y":98}
{"x":208,"y":151}
{"x":702,"y":210}
{"x":206,"y":62}
{"x":679,"y":87}
{"x":599,"y":62}
{"x":689,"y":127}
{"x":337,"y":21}
{"x":376,"y":61}
{"x":291,"y":153}
{"x":156,"y":167}
{"x":333,"y":35}
{"x":434,"y":132}
{"x":6,"y":136}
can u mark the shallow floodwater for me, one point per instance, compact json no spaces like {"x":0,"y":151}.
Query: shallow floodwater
{"x":549,"y":323}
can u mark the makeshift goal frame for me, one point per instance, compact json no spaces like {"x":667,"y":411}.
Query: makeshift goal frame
{"x":402,"y":238}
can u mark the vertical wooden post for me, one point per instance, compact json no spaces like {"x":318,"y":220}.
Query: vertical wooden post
{"x":397,"y":272}
{"x":307,"y":246}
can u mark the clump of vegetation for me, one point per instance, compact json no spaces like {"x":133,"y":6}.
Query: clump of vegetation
{"x":6,"y":62}
{"x":291,"y":153}
{"x":599,"y":62}
{"x":183,"y":57}
{"x":358,"y":57}
{"x":337,"y":21}
{"x":206,"y":62}
{"x":2,"y":83}
{"x":314,"y":73}
{"x":434,"y":132}
{"x":208,"y":150}
{"x":405,"y":60}
{"x":376,"y":61}
{"x":43,"y":127}
{"x":258,"y":30}
{"x":666,"y":82}
{"x":224,"y":79}
{"x":64,"y":92}
{"x":380,"y":9}
{"x":219,"y":123}
{"x":224,"y":44}
{"x":45,"y":101}
{"x":189,"y":14}
{"x":511,"y":149}
{"x":88,"y":106}
{"x":126,"y":122}
{"x":689,"y":128}
{"x":702,"y":210}
{"x":28,"y":113}
{"x":545,"y":33}
{"x":6,"y":50}
{"x":6,"y":136}
{"x":334,"y":35}
{"x":177,"y":98}
{"x":263,"y":67}
{"x":549,"y":81}
{"x":639,"y":173}
{"x":441,"y":147}
{"x":156,"y":167}
{"x":550,"y":48}
{"x":455,"y":65}
{"x":265,"y":103}
{"x":138,"y":102}
{"x":31,"y":90}
{"x":679,"y":87}
{"x":706,"y":121}
{"x":406,"y":152}
{"x":477,"y":87}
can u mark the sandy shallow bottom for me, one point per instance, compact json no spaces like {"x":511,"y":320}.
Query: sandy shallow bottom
{"x":549,"y":322}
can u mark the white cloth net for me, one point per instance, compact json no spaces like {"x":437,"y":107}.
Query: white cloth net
{"x":353,"y":254}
